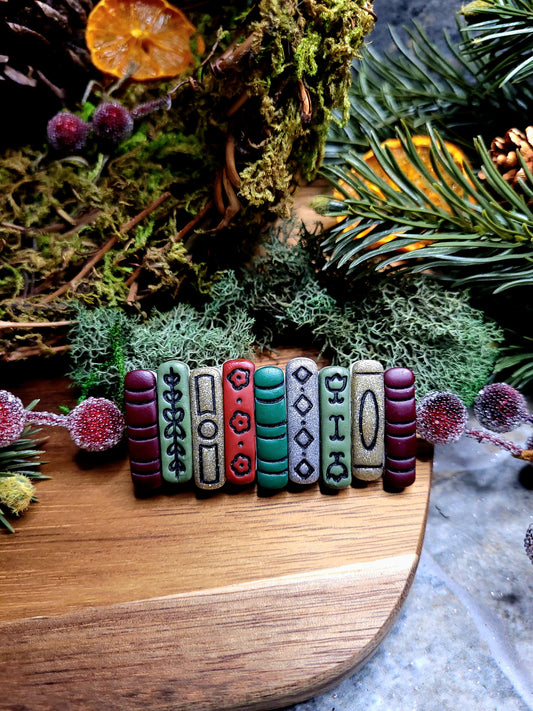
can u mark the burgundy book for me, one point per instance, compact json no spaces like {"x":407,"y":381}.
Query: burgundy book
{"x":400,"y":428}
{"x":140,"y":397}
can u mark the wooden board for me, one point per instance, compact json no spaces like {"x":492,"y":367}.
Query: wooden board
{"x":231,"y":601}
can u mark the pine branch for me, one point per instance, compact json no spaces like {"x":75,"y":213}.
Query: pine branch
{"x":517,"y":364}
{"x":415,"y":83}
{"x":499,"y":39}
{"x":480,"y":231}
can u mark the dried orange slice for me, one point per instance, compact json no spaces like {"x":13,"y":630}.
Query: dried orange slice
{"x":423,"y":149}
{"x":148,"y":39}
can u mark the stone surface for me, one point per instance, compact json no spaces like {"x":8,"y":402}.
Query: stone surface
{"x":368,"y":419}
{"x":140,"y":405}
{"x":303,"y":421}
{"x":207,"y":425}
{"x":271,"y":427}
{"x":174,"y":409}
{"x":434,"y":16}
{"x":335,"y":425}
{"x":463,"y":638}
{"x":239,"y":421}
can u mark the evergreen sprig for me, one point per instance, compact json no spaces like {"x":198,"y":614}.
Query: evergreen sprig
{"x":499,"y":39}
{"x":19,"y":462}
{"x":407,"y":84}
{"x":416,"y":83}
{"x":482,"y":231}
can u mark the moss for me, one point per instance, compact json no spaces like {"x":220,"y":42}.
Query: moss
{"x":56,"y":213}
{"x":106,"y":343}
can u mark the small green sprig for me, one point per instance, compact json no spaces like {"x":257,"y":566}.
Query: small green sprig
{"x":19,"y":464}
{"x":499,"y":39}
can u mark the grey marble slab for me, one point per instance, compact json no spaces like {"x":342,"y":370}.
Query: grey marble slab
{"x":464,"y":637}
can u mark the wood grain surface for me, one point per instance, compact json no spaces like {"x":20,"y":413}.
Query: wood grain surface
{"x":188,"y":601}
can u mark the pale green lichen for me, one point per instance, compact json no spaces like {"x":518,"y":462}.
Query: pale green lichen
{"x":280,"y":300}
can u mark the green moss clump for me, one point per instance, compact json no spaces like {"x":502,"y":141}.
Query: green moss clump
{"x":56,"y":213}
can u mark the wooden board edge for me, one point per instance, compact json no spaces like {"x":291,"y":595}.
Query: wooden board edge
{"x":262,"y":645}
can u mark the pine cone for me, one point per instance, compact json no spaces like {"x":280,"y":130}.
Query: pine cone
{"x":504,"y":153}
{"x":44,"y":62}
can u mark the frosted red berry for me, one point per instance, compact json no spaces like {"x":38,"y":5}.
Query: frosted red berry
{"x":441,"y":417}
{"x":67,"y":132}
{"x":96,"y":424}
{"x":12,"y":418}
{"x":500,"y":408}
{"x":112,"y":122}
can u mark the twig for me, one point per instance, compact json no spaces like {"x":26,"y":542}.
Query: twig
{"x":132,"y":293}
{"x":30,"y":351}
{"x":85,"y":270}
{"x":231,"y":169}
{"x":105,"y":249}
{"x":35,"y":324}
{"x":133,"y":276}
{"x":144,"y":213}
{"x":525,"y":454}
{"x":243,"y":98}
{"x":191,"y":224}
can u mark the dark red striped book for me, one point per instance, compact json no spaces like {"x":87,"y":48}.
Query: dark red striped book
{"x":142,"y":431}
{"x":400,"y":428}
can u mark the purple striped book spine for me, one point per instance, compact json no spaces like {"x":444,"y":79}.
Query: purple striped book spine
{"x":400,"y":428}
{"x":140,"y":398}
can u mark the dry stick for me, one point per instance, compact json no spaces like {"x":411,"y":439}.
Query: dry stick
{"x":105,"y":249}
{"x":191,"y":224}
{"x":132,"y":293}
{"x":35,"y":324}
{"x":231,"y":169}
{"x":133,"y":276}
{"x":29,"y":351}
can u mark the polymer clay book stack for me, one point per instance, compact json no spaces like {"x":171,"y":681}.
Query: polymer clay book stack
{"x":241,"y":425}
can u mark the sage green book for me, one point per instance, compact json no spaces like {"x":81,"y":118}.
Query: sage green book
{"x":174,"y":412}
{"x":335,"y":426}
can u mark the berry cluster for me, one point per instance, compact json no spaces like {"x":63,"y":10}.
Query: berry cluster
{"x":111,"y":123}
{"x":442,"y":416}
{"x":442,"y":419}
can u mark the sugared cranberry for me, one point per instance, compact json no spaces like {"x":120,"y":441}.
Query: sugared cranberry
{"x":112,"y":122}
{"x":96,"y":424}
{"x":67,"y":132}
{"x":500,"y":408}
{"x":441,"y":417}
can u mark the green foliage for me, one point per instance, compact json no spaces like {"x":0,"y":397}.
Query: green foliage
{"x":19,"y":464}
{"x":416,"y":83}
{"x":482,"y":232}
{"x":499,"y":38}
{"x":280,"y":299}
